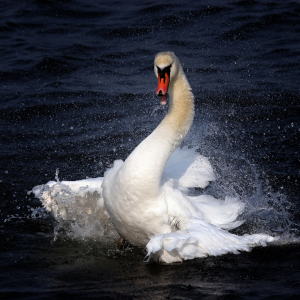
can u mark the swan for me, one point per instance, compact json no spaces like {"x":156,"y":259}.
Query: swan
{"x":146,"y":197}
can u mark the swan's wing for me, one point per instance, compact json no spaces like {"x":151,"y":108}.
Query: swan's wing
{"x":197,"y":238}
{"x":80,"y":206}
{"x":221,"y":213}
{"x":197,"y":223}
{"x":68,"y":199}
{"x":189,"y":168}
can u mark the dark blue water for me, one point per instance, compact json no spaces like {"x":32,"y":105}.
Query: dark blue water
{"x":77,"y":92}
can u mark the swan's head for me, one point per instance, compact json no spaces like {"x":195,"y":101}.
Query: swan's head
{"x":166,"y":65}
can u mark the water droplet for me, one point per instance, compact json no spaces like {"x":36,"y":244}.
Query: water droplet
{"x":56,"y":175}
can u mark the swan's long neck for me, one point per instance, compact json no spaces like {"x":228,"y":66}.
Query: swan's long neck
{"x":146,"y":163}
{"x":181,"y":110}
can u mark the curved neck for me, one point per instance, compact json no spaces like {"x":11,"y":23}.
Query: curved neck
{"x":146,"y":163}
{"x":181,"y":109}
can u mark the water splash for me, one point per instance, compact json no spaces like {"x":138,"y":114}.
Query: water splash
{"x":267,"y":210}
{"x":78,"y":209}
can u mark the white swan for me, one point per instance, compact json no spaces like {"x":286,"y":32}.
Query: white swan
{"x":146,"y":197}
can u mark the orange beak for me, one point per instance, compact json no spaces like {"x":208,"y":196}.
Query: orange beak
{"x":163,"y":84}
{"x":162,"y":88}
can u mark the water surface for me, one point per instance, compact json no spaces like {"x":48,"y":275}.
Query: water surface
{"x":77,"y":92}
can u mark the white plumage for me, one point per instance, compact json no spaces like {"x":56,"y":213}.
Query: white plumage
{"x":147,"y":197}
